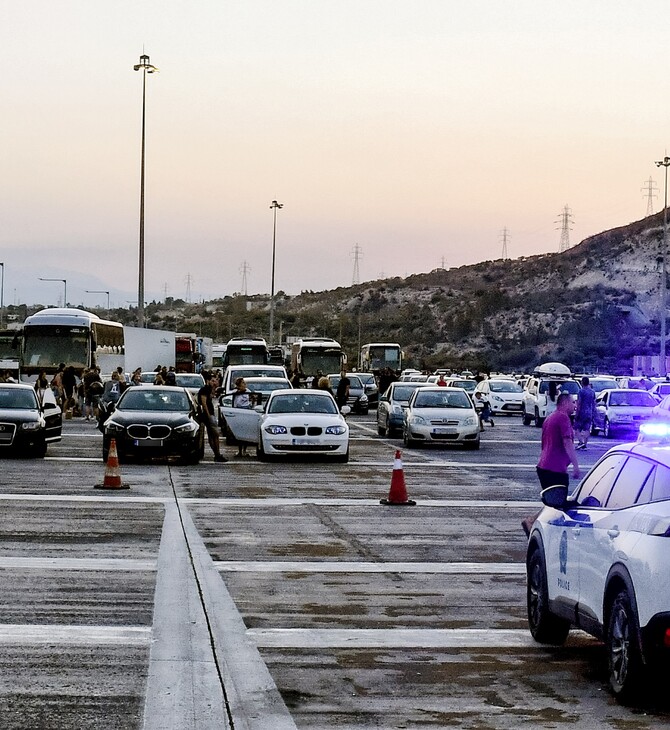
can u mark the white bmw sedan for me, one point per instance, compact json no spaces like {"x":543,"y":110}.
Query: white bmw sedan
{"x":292,"y":422}
{"x":442,"y":415}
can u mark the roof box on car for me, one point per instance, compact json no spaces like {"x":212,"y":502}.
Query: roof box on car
{"x":552,"y":368}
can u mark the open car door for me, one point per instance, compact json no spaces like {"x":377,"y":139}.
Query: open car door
{"x":242,"y":422}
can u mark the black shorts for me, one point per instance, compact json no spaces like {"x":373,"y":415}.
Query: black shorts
{"x":552,"y":478}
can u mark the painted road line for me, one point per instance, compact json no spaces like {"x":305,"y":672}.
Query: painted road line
{"x":393,"y":638}
{"x":74,"y":635}
{"x":106,"y":564}
{"x":466,"y":464}
{"x":251,"y":566}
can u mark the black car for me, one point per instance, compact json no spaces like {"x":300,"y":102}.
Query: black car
{"x":28,"y":423}
{"x":358,"y":399}
{"x":156,"y":421}
{"x":371,"y":389}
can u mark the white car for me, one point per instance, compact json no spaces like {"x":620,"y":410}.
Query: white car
{"x":292,"y":422}
{"x":598,"y":560}
{"x":660,"y":390}
{"x":503,"y":394}
{"x":622,"y":409}
{"x":542,"y":390}
{"x":437,"y":414}
{"x":233,"y":372}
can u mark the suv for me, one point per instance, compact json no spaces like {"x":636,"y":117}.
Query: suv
{"x":598,"y":560}
{"x":542,"y":389}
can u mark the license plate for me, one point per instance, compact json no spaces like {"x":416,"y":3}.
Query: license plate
{"x":144,"y":443}
{"x":514,"y":407}
{"x":443,"y":431}
{"x":305,"y":442}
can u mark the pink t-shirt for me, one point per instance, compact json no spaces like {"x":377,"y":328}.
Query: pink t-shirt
{"x":555,"y":429}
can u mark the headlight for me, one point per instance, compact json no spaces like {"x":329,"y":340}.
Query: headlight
{"x":469,"y":421}
{"x":417,"y":420}
{"x":113,"y":427}
{"x":275,"y":430}
{"x":336,"y":430}
{"x":189,"y":427}
{"x":498,"y":399}
{"x":363,"y":398}
{"x":30,"y":425}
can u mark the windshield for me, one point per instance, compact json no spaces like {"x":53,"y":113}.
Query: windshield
{"x":185,"y":380}
{"x":599,"y":385}
{"x":637,"y":398}
{"x":326,"y":362}
{"x":403,"y":392}
{"x":381,"y":357}
{"x":562,"y":386}
{"x":302,"y":403}
{"x":504,"y":386}
{"x":246,"y":354}
{"x":21,"y":398}
{"x":267,"y":386}
{"x":445,"y":399}
{"x":467,"y":385}
{"x":154,"y":399}
{"x":46,"y":347}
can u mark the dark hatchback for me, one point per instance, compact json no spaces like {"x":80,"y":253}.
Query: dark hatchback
{"x":27,"y":424}
{"x":155,"y":422}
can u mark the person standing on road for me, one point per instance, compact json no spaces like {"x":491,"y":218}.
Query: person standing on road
{"x":558,"y":450}
{"x":585,"y":413}
{"x":342,"y":393}
{"x":242,"y":399}
{"x":207,"y":417}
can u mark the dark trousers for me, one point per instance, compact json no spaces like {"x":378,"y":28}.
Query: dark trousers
{"x":551,"y":478}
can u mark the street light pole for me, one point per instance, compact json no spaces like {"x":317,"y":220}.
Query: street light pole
{"x":146,"y":68}
{"x":275,"y":205}
{"x":99,"y":291}
{"x":665,"y":162}
{"x":64,"y":289}
{"x":2,"y":297}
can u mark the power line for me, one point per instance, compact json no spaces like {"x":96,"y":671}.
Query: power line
{"x":357,"y":253}
{"x":244,"y":270}
{"x":650,"y":188}
{"x":565,"y":220}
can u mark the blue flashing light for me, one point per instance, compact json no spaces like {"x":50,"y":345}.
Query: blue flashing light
{"x":657,"y":430}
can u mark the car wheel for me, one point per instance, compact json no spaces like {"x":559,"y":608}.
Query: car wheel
{"x":624,"y":655}
{"x":545,"y":627}
{"x":538,"y":421}
{"x":527,"y":419}
{"x":365,"y":412}
{"x":472,"y":445}
{"x":409,"y":442}
{"x":40,"y":451}
{"x":342,"y":458}
{"x":607,"y":429}
{"x":381,"y":430}
{"x":260,"y":451}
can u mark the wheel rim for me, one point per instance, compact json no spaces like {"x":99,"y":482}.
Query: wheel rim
{"x":619,"y":645}
{"x":535,"y":598}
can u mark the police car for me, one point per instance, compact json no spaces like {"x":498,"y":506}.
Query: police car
{"x":599,"y":560}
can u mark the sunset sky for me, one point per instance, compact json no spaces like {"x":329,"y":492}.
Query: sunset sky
{"x":416,"y":130}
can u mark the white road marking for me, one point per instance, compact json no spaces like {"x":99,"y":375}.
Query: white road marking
{"x":106,"y":564}
{"x":250,"y":566}
{"x":75,"y":635}
{"x":404,"y":639}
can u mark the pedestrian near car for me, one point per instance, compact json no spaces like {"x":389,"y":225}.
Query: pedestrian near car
{"x":342,"y":393}
{"x":41,"y":384}
{"x":93,"y":388}
{"x":558,"y":450}
{"x":242,"y":399}
{"x":324,"y":384}
{"x":585,"y":413}
{"x":207,"y":417}
{"x":57,"y":384}
{"x":483,"y":408}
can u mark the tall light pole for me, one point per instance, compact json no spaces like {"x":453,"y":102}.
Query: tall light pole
{"x":274,"y":207}
{"x":99,"y":291}
{"x":2,"y":297}
{"x":665,"y":162}
{"x":146,"y":68}
{"x":64,"y":290}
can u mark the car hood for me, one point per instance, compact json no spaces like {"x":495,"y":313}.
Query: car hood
{"x":303,"y":419}
{"x":169,"y":418}
{"x":19,"y":415}
{"x":630,"y":410}
{"x":441,"y":414}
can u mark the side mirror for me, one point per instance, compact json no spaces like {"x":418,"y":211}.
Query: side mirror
{"x":556,"y":496}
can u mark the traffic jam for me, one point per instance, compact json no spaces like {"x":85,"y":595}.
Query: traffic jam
{"x":373,"y":546}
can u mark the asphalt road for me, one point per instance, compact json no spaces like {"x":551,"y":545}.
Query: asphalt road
{"x":283,"y":595}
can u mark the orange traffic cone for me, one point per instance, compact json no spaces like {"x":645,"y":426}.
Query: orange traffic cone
{"x":398,"y":491}
{"x":112,"y":478}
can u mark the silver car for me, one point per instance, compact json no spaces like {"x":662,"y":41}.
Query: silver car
{"x":392,"y":405}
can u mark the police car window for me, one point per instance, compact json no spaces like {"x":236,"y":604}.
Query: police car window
{"x":630,"y":482}
{"x":661,"y":486}
{"x":595,"y":489}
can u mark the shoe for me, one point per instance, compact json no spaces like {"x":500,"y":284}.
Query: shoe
{"x":220,"y":459}
{"x":237,"y":456}
{"x":248,"y":456}
{"x":579,"y":447}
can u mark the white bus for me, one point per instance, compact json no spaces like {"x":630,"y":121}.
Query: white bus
{"x":317,"y":354}
{"x":246,"y":351}
{"x":375,"y":356}
{"x":70,"y":336}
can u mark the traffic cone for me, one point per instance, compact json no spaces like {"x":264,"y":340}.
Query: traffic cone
{"x":112,"y":478}
{"x":398,"y":491}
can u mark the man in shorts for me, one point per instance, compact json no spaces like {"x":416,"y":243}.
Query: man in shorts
{"x":585,"y":413}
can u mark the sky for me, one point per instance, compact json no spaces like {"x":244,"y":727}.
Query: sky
{"x":416,"y":131}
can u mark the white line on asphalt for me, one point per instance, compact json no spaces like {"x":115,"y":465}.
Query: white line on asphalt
{"x":422,"y":464}
{"x":75,"y":635}
{"x":250,"y":566}
{"x":73,"y":458}
{"x":404,"y":639}
{"x":106,"y":564}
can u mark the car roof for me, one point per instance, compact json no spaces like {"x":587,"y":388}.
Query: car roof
{"x":25,"y":386}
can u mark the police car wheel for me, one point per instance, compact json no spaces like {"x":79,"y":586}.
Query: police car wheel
{"x":624,"y":656}
{"x":545,"y":627}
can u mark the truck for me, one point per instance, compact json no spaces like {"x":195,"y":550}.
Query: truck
{"x":142,"y":348}
{"x":192,"y":352}
{"x":317,"y":354}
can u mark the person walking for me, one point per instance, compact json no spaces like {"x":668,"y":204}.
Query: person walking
{"x":483,"y":408}
{"x":558,"y":450}
{"x":207,"y":417}
{"x":342,"y":392}
{"x":584,"y":413}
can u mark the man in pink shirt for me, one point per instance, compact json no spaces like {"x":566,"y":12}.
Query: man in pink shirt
{"x":558,"y":450}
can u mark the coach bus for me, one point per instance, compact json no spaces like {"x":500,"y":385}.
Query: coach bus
{"x":70,"y":336}
{"x":375,"y":356}
{"x":246,"y":351}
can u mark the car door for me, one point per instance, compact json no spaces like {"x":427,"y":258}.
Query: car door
{"x":243,"y":423}
{"x":53,"y":417}
{"x":601,"y":412}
